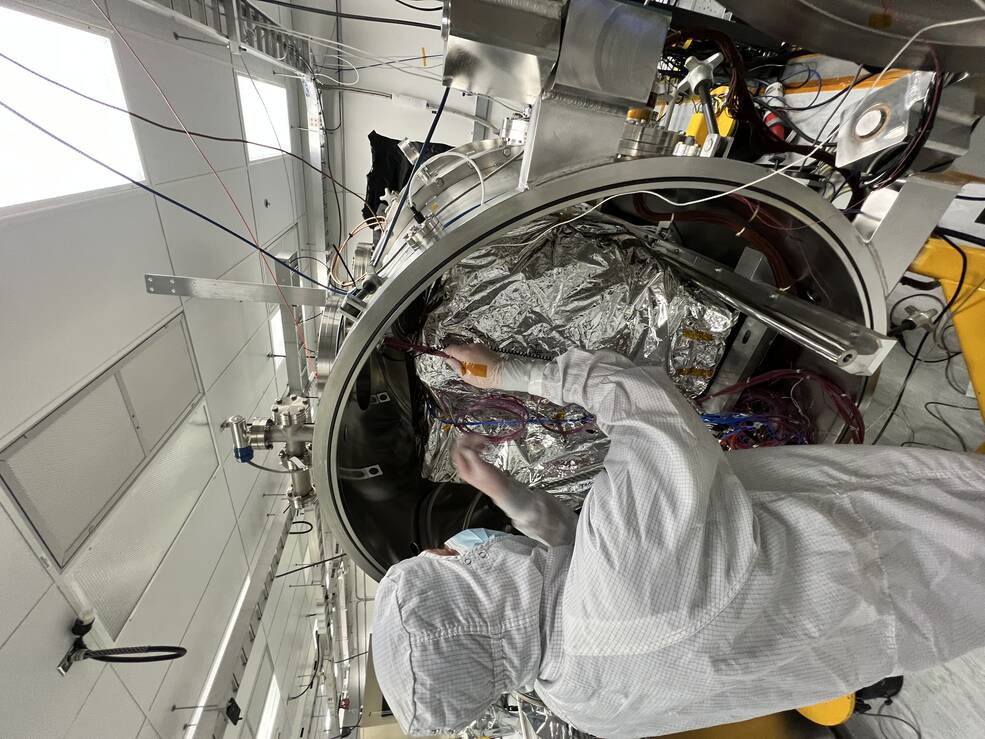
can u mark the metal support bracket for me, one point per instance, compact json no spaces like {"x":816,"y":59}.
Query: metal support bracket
{"x":252,"y":292}
{"x":753,"y":339}
{"x":895,"y":225}
{"x":852,"y":347}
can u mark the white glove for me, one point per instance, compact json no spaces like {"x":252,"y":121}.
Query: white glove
{"x":484,"y":368}
{"x":537,"y":514}
{"x":476,"y":471}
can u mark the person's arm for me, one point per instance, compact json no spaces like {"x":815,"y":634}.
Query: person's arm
{"x":657,"y":439}
{"x":667,"y":534}
{"x":535,"y":513}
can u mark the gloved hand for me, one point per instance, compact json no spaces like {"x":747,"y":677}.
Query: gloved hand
{"x":484,"y":368}
{"x":476,"y":471}
{"x":535,"y":513}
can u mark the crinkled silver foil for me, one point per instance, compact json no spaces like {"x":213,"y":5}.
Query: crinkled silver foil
{"x":525,"y":719}
{"x":494,"y":722}
{"x":586,"y":284}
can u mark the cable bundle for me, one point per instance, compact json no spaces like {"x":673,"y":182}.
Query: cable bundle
{"x":415,"y":350}
{"x":779,"y":419}
{"x":754,"y":430}
{"x":510,"y":419}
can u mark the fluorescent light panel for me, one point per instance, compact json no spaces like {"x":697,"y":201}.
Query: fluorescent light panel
{"x":35,"y":166}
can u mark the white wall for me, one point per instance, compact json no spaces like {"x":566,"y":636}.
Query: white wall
{"x":72,"y":303}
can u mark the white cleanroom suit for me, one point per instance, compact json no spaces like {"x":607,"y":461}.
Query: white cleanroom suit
{"x":699,"y":588}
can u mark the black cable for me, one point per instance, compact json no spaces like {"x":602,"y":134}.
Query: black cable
{"x":311,"y":527}
{"x":947,"y":358}
{"x":351,"y":656}
{"x":167,"y":198}
{"x":308,"y":567}
{"x":916,"y":355}
{"x":927,"y":118}
{"x":404,"y":194}
{"x":346,"y":730}
{"x":353,"y":16}
{"x":788,"y":121}
{"x":314,"y":672}
{"x":470,"y":511}
{"x":947,"y":369}
{"x":843,"y":91}
{"x":417,"y":7}
{"x":165,"y":127}
{"x":913,"y":727}
{"x":133,"y":655}
{"x":918,"y":284}
{"x":946,"y":232}
{"x":973,"y":198}
{"x":928,"y":446}
{"x":328,"y":163}
{"x":939,"y":416}
{"x":322,"y":262}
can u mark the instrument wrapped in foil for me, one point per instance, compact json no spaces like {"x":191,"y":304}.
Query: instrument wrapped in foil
{"x":538,"y":291}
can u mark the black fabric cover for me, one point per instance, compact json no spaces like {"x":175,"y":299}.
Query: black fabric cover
{"x":390,"y":169}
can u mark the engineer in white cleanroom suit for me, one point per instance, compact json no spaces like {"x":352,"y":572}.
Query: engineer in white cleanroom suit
{"x":696,"y":588}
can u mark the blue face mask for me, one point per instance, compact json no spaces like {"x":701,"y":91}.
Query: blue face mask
{"x":466,"y":540}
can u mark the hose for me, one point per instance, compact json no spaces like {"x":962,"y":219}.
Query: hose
{"x":311,"y":527}
{"x":134,"y":655}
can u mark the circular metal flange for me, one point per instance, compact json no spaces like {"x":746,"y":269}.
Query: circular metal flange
{"x":698,"y":176}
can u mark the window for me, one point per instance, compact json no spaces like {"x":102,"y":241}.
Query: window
{"x":35,"y":166}
{"x":265,"y":117}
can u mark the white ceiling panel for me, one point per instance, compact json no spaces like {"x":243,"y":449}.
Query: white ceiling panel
{"x":108,"y":713}
{"x":22,"y":578}
{"x":207,"y":106}
{"x":72,"y":11}
{"x":240,"y":386}
{"x":275,"y":201}
{"x":160,"y":382}
{"x":167,"y":606}
{"x":199,"y":249}
{"x":253,"y":518}
{"x":220,"y":328}
{"x":185,"y":678}
{"x":117,"y":563}
{"x":89,"y":309}
{"x":35,"y":701}
{"x":66,"y":471}
{"x":147,"y":731}
{"x":241,"y":477}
